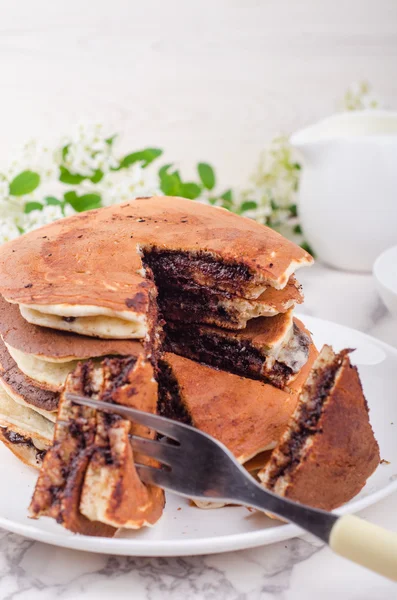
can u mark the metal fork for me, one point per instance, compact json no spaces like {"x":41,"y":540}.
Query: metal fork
{"x":200,"y":467}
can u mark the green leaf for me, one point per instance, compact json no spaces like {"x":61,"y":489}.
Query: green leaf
{"x":51,"y":200}
{"x":308,"y":249}
{"x":24,"y":183}
{"x":297,"y":229}
{"x":144,"y":156}
{"x":97,"y":176}
{"x":84,"y":202}
{"x":170,"y":183}
{"x":293,"y":210}
{"x":65,"y":151}
{"x":207,"y":175}
{"x":228,"y":195}
{"x":190,"y":190}
{"x":297,"y":166}
{"x":248,"y":205}
{"x":70,"y":196}
{"x":71,"y":178}
{"x":29,"y":206}
{"x":111,"y":139}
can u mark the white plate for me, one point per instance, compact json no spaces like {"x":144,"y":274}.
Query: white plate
{"x":185,"y":530}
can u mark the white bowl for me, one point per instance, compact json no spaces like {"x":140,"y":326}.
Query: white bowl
{"x":385,"y":273}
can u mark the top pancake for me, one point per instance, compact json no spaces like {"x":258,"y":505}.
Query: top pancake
{"x":94,"y":259}
{"x":57,"y":346}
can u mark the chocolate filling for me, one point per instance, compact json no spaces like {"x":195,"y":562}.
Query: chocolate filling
{"x":309,"y":416}
{"x":228,"y":354}
{"x":18,"y":439}
{"x":183,"y":266}
{"x":169,"y":403}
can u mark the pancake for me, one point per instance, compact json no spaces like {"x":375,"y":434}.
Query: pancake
{"x":88,"y":481}
{"x":183,"y":300}
{"x":26,"y":433}
{"x":247,"y":416}
{"x":112,"y":491}
{"x":271,"y":349}
{"x":56,"y":346}
{"x":24,"y":390}
{"x":28,"y":449}
{"x":87,"y":274}
{"x":328,"y":449}
{"x":28,"y":420}
{"x":58,"y":487}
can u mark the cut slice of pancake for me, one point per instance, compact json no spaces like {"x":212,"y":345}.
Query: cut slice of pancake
{"x":23,"y":390}
{"x":328,"y":449}
{"x":86,"y":273}
{"x":247,"y":416}
{"x":90,"y":468}
{"x":112,"y":491}
{"x":56,"y":346}
{"x":26,"y":433}
{"x":190,"y":303}
{"x":271,"y":349}
{"x":58,"y":488}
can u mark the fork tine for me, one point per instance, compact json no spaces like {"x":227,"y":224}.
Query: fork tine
{"x":155,"y":422}
{"x":153,"y":476}
{"x":161,"y":451}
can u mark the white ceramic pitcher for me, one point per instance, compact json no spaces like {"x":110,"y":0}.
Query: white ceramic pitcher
{"x":348,"y":189}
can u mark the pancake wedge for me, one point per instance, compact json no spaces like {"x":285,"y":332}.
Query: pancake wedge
{"x":112,"y":491}
{"x":328,"y":449}
{"x":247,"y":416}
{"x":88,"y":481}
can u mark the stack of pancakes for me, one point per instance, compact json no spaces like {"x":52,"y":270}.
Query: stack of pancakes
{"x":164,"y":305}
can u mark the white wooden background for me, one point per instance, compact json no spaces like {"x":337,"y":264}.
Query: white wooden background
{"x":205,"y":79}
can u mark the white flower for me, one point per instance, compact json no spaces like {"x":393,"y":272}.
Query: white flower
{"x":119,"y":186}
{"x":34,"y":157}
{"x":88,"y":151}
{"x":38,"y":218}
{"x":8,"y":230}
{"x":359,"y":97}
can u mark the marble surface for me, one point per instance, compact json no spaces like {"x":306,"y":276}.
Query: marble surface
{"x":292,"y":570}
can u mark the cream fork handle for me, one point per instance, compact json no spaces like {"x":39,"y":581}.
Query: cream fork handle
{"x":365,"y":544}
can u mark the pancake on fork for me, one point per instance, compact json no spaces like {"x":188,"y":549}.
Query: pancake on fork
{"x":328,"y":449}
{"x":90,"y":274}
{"x":271,"y":349}
{"x":88,"y":481}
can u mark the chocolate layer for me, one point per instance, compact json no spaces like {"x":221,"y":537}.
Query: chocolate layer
{"x":18,"y":439}
{"x":309,"y":417}
{"x":170,"y":403}
{"x":235,"y":354}
{"x":198,"y":267}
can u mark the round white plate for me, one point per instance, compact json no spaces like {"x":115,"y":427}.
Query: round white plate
{"x":186,"y":530}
